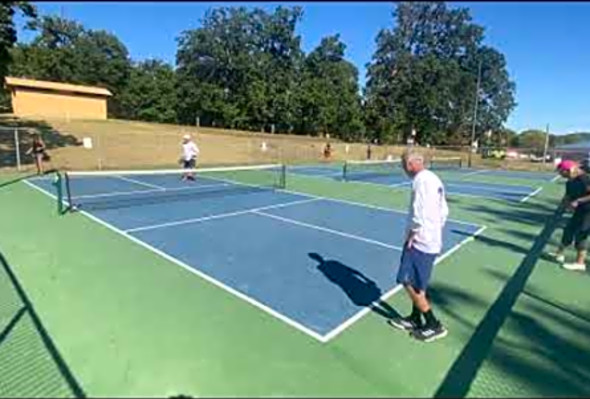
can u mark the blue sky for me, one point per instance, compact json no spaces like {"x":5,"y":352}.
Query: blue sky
{"x":547,"y":45}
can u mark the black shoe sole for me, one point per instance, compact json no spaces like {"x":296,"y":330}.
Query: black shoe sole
{"x":400,"y":327}
{"x":432,"y":338}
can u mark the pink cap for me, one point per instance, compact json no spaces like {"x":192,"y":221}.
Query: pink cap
{"x":566,"y":164}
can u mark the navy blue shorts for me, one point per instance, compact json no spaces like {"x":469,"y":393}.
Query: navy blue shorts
{"x":415,"y":268}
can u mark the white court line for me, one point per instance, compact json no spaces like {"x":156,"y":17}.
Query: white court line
{"x":152,"y":172}
{"x":483,"y":188}
{"x":537,"y":191}
{"x":449,"y":192}
{"x":326,"y":230}
{"x":459,"y":245}
{"x":331,"y":174}
{"x":353,"y":181}
{"x":555,"y":178}
{"x":116,"y":193}
{"x":360,"y":204}
{"x":455,"y":192}
{"x":316,"y":173}
{"x":400,"y":184}
{"x":473,"y":173}
{"x":354,"y":318}
{"x":219,"y":216}
{"x":254,"y":302}
{"x":139,"y":182}
{"x":199,"y":273}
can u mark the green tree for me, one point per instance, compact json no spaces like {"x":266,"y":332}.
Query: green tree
{"x":328,"y":98}
{"x":64,"y":51}
{"x":240,"y":69}
{"x":8,"y":38}
{"x":532,"y":138}
{"x":505,"y":137}
{"x":423,"y":76}
{"x":150,"y":93}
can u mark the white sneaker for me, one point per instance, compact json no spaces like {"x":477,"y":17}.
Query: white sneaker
{"x":560,"y":258}
{"x":575,"y":266}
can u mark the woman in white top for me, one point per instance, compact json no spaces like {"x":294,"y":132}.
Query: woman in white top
{"x":190,"y":152}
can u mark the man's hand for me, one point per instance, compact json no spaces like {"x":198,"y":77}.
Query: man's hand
{"x":410,"y":239}
{"x":574,"y":204}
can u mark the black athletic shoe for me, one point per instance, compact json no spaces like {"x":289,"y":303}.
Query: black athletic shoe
{"x":429,"y":334}
{"x":403,"y":323}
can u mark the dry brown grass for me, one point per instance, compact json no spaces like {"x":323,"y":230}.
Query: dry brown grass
{"x":120,"y":144}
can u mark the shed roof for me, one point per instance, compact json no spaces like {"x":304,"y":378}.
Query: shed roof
{"x":42,"y":84}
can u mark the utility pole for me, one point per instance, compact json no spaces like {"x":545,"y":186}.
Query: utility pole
{"x":474,"y":113}
{"x":546,"y":144}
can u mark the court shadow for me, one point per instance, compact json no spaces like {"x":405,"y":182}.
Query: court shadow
{"x":494,"y":242}
{"x":528,"y":214}
{"x":450,"y":300}
{"x":571,"y":310}
{"x":32,"y":365}
{"x":462,"y":373}
{"x":17,"y":180}
{"x":361,"y":290}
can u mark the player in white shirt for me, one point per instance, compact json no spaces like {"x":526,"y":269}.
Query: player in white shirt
{"x":190,"y":152}
{"x":426,"y":219}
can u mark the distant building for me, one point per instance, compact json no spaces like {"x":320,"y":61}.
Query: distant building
{"x":36,"y":98}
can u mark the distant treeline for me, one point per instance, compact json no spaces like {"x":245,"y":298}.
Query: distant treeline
{"x":244,"y":68}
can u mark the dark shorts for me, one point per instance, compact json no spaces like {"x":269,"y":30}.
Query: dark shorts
{"x":415,"y":268}
{"x":189,"y":164}
{"x":576,"y":231}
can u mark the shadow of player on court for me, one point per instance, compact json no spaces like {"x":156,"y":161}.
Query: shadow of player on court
{"x":361,"y":290}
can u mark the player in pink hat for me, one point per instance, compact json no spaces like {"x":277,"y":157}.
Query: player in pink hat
{"x":576,"y":199}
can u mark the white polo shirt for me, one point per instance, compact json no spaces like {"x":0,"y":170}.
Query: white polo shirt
{"x":190,"y":150}
{"x":428,"y":212}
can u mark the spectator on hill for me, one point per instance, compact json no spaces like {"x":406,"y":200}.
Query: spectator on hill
{"x":327,"y":151}
{"x":37,"y":150}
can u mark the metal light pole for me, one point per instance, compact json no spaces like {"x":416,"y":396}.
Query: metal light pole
{"x":474,"y":113}
{"x":546,"y":145}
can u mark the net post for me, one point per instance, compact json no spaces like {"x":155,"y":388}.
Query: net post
{"x":68,"y":192}
{"x":17,"y":149}
{"x":58,"y":183}
{"x":344,"y":171}
{"x":283,"y":179}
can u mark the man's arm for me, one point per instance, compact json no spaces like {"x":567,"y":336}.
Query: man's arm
{"x":417,"y":214}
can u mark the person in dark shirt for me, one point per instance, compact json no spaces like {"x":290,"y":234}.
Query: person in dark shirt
{"x":576,"y":199}
{"x":327,"y":151}
{"x":37,"y":150}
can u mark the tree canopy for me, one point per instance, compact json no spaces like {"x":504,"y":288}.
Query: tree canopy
{"x":244,"y":68}
{"x":424,"y":73}
{"x":8,"y":37}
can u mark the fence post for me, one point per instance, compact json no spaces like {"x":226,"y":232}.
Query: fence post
{"x":99,"y":148}
{"x":17,"y":149}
